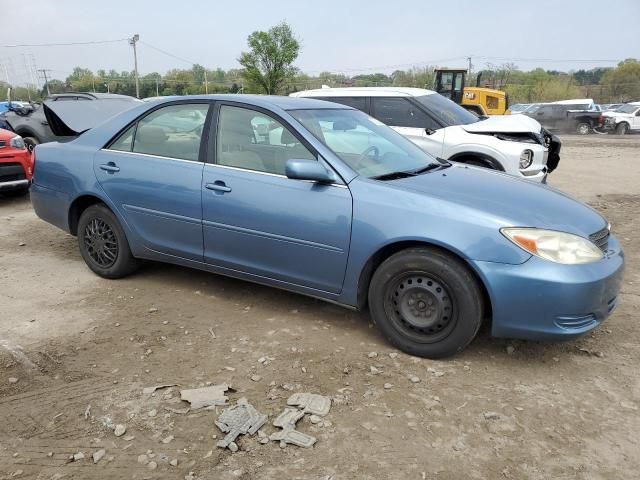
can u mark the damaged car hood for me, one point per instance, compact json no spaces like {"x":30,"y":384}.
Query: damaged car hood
{"x":71,"y":118}
{"x":504,"y":124}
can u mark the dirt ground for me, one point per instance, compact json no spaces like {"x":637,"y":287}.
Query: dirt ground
{"x":73,"y":340}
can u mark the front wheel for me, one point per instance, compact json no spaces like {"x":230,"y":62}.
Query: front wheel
{"x":103,"y":244}
{"x":583,"y":128}
{"x":426,"y":302}
{"x":622,"y":129}
{"x":31,"y":142}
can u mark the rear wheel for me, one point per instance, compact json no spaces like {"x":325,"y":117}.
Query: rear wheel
{"x":622,"y":128}
{"x":583,"y":128}
{"x":426,"y":302}
{"x":103,"y":244}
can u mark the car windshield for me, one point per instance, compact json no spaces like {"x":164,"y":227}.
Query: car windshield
{"x":627,"y":108}
{"x":365,"y":144}
{"x":447,"y":112}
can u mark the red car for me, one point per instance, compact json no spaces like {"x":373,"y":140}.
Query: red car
{"x":16,"y":163}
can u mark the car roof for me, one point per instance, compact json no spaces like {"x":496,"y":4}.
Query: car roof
{"x":268,"y":101}
{"x":365,"y":92}
{"x":94,"y":95}
{"x":575,"y":101}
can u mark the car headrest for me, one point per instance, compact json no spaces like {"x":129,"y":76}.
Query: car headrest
{"x":150,"y":134}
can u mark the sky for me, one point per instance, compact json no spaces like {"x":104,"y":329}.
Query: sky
{"x":349,"y":36}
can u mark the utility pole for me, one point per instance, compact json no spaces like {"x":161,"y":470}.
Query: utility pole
{"x":469,"y":69}
{"x":157,"y":93}
{"x":206,"y":83}
{"x":46,"y":81}
{"x":132,"y":42}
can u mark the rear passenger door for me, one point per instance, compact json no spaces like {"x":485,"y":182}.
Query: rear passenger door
{"x":152,"y":172}
{"x":409,"y":120}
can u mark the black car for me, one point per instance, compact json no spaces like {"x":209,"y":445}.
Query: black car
{"x":567,"y":118}
{"x":32,"y":122}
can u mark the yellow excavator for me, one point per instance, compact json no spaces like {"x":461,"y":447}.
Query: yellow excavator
{"x":450,"y":82}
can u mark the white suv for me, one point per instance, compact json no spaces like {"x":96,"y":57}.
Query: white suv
{"x":515,"y":144}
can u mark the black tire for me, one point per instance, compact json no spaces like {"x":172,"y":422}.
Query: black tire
{"x":103,"y":244}
{"x":583,"y":128}
{"x":31,"y":142}
{"x":622,"y":128}
{"x":447,"y":308}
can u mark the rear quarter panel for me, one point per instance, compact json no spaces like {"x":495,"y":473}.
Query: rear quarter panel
{"x":63,"y":172}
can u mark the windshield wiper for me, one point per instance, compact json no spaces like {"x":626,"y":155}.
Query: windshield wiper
{"x":411,"y":173}
{"x":394,"y":175}
{"x":431,"y":166}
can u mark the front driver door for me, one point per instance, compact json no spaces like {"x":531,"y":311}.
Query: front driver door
{"x":258,"y":221}
{"x":153,"y":174}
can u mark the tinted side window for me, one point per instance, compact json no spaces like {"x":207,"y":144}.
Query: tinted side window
{"x":255,"y":141}
{"x":399,"y":112}
{"x":359,"y":103}
{"x":174,"y":131}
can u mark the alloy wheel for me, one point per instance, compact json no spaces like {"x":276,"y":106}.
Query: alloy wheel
{"x":101,"y":243}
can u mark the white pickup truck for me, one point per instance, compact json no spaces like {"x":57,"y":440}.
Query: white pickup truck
{"x":624,"y":119}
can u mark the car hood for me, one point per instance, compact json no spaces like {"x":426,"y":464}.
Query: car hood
{"x":71,"y":118}
{"x":506,"y":199}
{"x":616,"y":114}
{"x":504,"y":124}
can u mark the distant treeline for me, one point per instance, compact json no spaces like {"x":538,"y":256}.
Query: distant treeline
{"x":604,"y":85}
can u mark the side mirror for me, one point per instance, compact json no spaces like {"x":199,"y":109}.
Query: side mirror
{"x":308,"y":170}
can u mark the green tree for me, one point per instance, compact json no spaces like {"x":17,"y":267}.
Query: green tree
{"x":623,"y":82}
{"x":269,"y":63}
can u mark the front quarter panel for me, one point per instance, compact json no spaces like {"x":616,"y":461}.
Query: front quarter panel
{"x":384,"y":215}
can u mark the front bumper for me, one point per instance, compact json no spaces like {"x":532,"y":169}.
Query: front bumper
{"x":542,"y":300}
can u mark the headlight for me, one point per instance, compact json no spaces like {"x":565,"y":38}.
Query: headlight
{"x":17,"y":142}
{"x":555,"y":246}
{"x":526,"y":158}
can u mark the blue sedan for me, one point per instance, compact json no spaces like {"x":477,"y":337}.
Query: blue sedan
{"x":323,"y":200}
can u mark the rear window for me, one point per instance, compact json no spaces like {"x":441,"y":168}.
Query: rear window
{"x":359,"y":103}
{"x":400,"y":112}
{"x":445,"y":111}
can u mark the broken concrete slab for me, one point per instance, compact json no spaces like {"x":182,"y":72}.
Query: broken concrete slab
{"x":206,"y":396}
{"x":241,"y":418}
{"x":288,"y":418}
{"x":287,"y":421}
{"x":311,"y":403}
{"x":294,"y":437}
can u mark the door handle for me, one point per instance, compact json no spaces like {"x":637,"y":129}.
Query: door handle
{"x":218,"y":186}
{"x":110,"y":167}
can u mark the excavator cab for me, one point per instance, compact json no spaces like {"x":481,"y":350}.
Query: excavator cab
{"x":449,"y":82}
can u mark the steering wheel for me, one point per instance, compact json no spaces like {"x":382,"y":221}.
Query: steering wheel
{"x":364,"y":154}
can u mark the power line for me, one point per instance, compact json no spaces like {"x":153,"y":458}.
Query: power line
{"x":93,"y":42}
{"x":558,"y":60}
{"x":168,"y":54}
